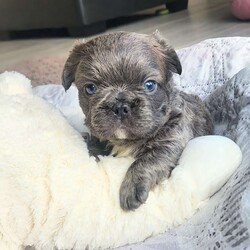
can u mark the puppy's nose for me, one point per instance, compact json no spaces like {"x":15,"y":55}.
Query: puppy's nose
{"x":122,"y":110}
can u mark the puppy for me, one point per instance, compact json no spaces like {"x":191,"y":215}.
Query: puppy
{"x":129,"y":99}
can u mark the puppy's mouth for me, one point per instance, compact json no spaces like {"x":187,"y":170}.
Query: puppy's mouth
{"x":111,"y":128}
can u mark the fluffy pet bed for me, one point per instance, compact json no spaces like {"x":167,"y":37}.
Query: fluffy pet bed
{"x":212,"y":65}
{"x":215,"y":69}
{"x":52,"y":194}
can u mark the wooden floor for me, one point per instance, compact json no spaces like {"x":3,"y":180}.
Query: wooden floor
{"x":203,"y":19}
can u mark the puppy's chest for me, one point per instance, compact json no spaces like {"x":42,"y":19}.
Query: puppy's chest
{"x":127,"y":149}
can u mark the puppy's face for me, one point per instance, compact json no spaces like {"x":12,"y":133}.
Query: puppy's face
{"x":124,"y":84}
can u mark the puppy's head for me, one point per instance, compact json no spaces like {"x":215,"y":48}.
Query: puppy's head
{"x":124,"y":83}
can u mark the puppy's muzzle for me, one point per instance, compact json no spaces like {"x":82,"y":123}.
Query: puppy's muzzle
{"x":121,"y":110}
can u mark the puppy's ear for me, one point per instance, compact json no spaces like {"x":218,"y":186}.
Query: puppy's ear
{"x":71,"y":64}
{"x":172,"y":60}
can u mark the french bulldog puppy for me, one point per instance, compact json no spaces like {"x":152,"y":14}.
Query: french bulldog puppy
{"x":129,"y":99}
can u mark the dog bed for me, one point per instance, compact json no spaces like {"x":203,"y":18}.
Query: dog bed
{"x":211,"y":65}
{"x":218,"y":71}
{"x":54,"y":195}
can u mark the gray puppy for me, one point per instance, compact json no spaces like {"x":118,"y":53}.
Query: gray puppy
{"x":129,"y":99}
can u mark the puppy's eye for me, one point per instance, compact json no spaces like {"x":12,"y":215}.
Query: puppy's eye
{"x":150,"y":85}
{"x":90,"y":89}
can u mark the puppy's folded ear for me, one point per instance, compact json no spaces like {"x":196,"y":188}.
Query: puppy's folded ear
{"x":71,"y":64}
{"x":172,"y":60}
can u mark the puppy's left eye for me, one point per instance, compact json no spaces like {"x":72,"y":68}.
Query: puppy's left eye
{"x":150,"y":85}
{"x":90,"y":89}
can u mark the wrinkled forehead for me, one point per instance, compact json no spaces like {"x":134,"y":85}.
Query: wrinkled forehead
{"x":122,"y":59}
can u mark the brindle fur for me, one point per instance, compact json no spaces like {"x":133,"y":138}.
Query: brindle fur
{"x":158,"y":126}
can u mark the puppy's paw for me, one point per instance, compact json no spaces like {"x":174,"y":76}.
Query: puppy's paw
{"x":133,"y":194}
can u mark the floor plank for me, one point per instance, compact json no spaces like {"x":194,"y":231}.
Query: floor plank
{"x":203,"y":19}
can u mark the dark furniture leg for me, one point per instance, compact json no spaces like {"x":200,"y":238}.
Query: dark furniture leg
{"x":87,"y":30}
{"x":177,"y":6}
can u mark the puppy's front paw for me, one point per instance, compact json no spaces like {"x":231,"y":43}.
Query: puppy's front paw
{"x":133,"y":194}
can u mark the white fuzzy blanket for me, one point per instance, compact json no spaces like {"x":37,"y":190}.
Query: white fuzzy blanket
{"x":224,"y":223}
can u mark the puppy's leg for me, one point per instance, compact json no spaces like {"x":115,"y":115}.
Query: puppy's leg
{"x":96,"y":147}
{"x":147,"y":171}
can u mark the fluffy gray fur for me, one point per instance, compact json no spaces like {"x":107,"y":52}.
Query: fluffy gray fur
{"x":154,"y":127}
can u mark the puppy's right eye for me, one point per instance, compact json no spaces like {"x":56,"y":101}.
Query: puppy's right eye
{"x":90,"y":89}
